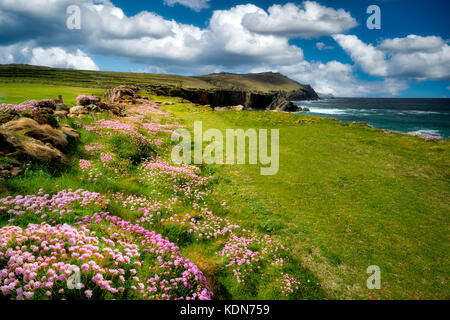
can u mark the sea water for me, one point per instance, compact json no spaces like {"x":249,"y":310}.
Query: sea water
{"x":415,"y":116}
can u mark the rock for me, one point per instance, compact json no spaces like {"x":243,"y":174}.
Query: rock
{"x":281,"y":103}
{"x":238,"y":108}
{"x":87,"y":100}
{"x":222,"y":109}
{"x":122,"y":94}
{"x":71,"y":134}
{"x":61,"y":114}
{"x":167,"y":103}
{"x":47,"y":104}
{"x":44,"y":133}
{"x":78,"y":110}
{"x":61,"y":107}
{"x":228,"y":98}
{"x":27,"y":148}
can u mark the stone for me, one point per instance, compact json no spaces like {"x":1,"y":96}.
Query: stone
{"x":61,"y":114}
{"x":61,"y":107}
{"x":42,"y":132}
{"x":27,"y":148}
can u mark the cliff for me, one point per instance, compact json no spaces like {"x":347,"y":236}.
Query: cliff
{"x":248,"y":99}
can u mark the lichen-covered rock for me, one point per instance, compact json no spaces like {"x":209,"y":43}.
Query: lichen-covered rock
{"x":122,"y":94}
{"x":83,"y":100}
{"x":33,"y":129}
{"x":23,"y":148}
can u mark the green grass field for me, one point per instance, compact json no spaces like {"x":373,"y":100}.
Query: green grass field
{"x":103,"y":79}
{"x":16,"y":93}
{"x":346,"y":197}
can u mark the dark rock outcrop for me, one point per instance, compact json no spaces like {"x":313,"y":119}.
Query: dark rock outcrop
{"x":249,"y":99}
{"x":26,"y":148}
{"x":122,"y":94}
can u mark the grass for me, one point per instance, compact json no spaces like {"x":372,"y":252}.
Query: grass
{"x":346,"y":197}
{"x":16,"y":93}
{"x":103,"y":79}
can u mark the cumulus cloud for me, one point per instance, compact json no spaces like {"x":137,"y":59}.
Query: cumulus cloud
{"x":234,"y":40}
{"x":413,"y":43}
{"x":422,"y":58}
{"x":226,"y":34}
{"x":308,"y":20}
{"x":49,"y":57}
{"x":145,"y":38}
{"x":196,"y":5}
{"x":370,"y":59}
{"x":339,"y":79}
{"x":59,"y":58}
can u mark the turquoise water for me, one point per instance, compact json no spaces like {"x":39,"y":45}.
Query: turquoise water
{"x":417,"y":116}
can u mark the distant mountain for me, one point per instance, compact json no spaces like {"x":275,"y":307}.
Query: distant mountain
{"x":265,"y":81}
{"x":262,"y":82}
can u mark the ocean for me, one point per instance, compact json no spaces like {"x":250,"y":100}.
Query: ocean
{"x":415,"y":116}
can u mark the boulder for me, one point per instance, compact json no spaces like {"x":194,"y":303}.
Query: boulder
{"x":87,"y":100}
{"x":122,"y":94}
{"x":77,"y":110}
{"x":61,"y":107}
{"x":27,"y":148}
{"x":33,"y":129}
{"x":281,"y":103}
{"x":71,"y":134}
{"x":61,"y":114}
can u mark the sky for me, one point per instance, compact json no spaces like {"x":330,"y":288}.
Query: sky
{"x":326,"y":44}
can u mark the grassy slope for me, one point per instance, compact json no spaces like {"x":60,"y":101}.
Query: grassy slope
{"x":202,"y":253}
{"x":16,"y":93}
{"x":258,"y":82}
{"x":346,"y":198}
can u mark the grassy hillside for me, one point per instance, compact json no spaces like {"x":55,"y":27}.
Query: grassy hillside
{"x":33,"y":74}
{"x":346,"y":197}
{"x":266,"y":81}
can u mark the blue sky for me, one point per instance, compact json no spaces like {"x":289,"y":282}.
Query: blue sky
{"x":334,"y":51}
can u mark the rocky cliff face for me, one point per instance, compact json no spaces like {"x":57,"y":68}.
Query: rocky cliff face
{"x":250,"y":100}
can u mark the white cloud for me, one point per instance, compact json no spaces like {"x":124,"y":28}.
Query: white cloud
{"x":339,"y":79}
{"x":322,"y":46}
{"x":412,"y":43}
{"x":371,"y":60}
{"x":226,"y":34}
{"x":49,"y":57}
{"x":309,"y":20}
{"x":196,"y":5}
{"x":410,"y":57}
{"x":57,"y":57}
{"x":234,"y":40}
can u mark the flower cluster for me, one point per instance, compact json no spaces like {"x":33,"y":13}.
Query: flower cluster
{"x":26,"y":107}
{"x":109,"y":127}
{"x":124,"y":260}
{"x":251,"y":253}
{"x":179,"y":180}
{"x":63,"y":202}
{"x":93,"y":147}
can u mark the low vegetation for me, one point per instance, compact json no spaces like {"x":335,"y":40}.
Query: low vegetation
{"x":347,"y":196}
